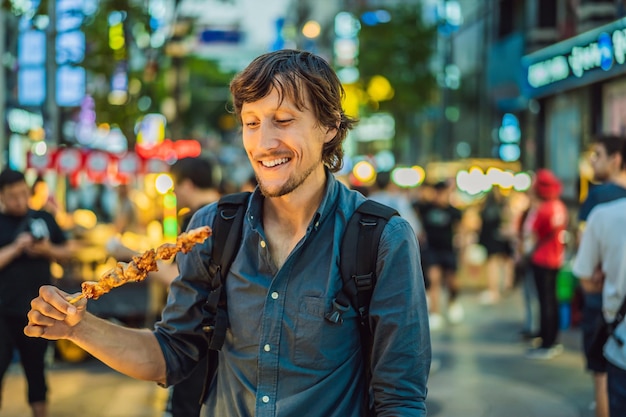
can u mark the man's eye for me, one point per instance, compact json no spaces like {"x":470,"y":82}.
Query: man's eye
{"x":251,"y":124}
{"x":283,"y":121}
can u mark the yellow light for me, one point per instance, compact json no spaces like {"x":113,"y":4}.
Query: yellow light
{"x":116,"y":36}
{"x":352,"y":100}
{"x":421,"y":172}
{"x":56,"y":270}
{"x":364,"y":172}
{"x":163,"y":183}
{"x":86,"y":219}
{"x":154,"y":231}
{"x":37,"y":134}
{"x":380,"y":89}
{"x":311,"y":29}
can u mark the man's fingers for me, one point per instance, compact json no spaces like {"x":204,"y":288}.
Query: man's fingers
{"x":38,"y":319}
{"x":54,"y":297}
{"x":44,"y":308}
{"x":32,"y":330}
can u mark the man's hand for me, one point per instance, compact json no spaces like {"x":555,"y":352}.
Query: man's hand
{"x":51,"y":316}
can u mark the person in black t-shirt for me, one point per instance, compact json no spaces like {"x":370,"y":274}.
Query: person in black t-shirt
{"x":440,"y":221}
{"x":29,"y":241}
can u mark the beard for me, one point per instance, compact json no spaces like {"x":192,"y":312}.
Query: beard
{"x":293,"y":182}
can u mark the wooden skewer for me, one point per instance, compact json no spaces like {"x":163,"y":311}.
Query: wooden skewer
{"x":76,"y":299}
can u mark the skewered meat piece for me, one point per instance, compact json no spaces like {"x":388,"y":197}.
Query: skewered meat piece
{"x":138,"y":269}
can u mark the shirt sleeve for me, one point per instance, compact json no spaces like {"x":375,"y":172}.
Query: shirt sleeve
{"x":401,"y":348}
{"x":179,"y":332}
{"x":588,"y":255}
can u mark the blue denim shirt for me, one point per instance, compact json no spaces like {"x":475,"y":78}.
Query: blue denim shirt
{"x":280,"y":356}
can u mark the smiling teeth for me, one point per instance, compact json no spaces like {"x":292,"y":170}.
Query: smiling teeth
{"x":274,"y":162}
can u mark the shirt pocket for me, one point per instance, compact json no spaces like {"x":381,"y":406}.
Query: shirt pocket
{"x":320,"y":344}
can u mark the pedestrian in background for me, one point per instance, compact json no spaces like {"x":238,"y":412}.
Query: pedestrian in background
{"x":496,"y":237}
{"x":386,"y":193}
{"x":196,"y":182}
{"x":440,"y":221}
{"x":603,"y":243}
{"x":524,"y":247}
{"x":281,"y":355}
{"x":607,"y":163}
{"x":29,"y":241}
{"x":126,"y":213}
{"x":548,"y":256}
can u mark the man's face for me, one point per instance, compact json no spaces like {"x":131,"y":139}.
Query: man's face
{"x":14,"y":198}
{"x":284,"y":144}
{"x":603,"y":165}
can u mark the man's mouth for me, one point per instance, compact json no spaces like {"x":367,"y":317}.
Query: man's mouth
{"x":275,"y":162}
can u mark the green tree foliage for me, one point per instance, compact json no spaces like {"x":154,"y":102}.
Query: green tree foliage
{"x":400,"y":50}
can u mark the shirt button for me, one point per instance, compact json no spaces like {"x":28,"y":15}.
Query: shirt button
{"x":266,"y":348}
{"x":263,"y":244}
{"x":265,"y":399}
{"x":275,"y":295}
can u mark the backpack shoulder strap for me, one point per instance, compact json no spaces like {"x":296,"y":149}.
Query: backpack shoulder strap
{"x":359,"y":253}
{"x":227,"y":228}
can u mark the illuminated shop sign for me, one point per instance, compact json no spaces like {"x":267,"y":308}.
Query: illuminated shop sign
{"x":587,"y":58}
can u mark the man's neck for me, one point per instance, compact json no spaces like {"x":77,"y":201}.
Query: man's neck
{"x":619,"y":179}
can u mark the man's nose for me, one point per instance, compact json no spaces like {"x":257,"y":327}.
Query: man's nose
{"x":269,"y":137}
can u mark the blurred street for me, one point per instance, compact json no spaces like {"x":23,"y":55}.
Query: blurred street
{"x":479,"y":370}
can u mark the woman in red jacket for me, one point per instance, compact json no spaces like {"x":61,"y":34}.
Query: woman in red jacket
{"x":547,"y":258}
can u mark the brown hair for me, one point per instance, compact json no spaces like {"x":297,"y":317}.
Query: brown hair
{"x":298,"y":75}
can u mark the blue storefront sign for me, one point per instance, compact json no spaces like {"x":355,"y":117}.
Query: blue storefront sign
{"x":587,"y":58}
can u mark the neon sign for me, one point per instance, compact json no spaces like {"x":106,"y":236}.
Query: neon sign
{"x":603,"y":50}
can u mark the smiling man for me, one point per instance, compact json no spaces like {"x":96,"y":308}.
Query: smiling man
{"x":281,"y":355}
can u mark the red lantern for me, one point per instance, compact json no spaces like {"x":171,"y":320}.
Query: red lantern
{"x":97,"y":164}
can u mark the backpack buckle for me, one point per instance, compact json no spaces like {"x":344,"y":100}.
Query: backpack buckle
{"x":364,"y":282}
{"x":336,"y":314}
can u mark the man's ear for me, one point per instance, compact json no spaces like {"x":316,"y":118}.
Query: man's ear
{"x":330,"y":134}
{"x":332,"y":131}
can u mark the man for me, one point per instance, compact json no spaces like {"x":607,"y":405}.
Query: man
{"x":606,"y":163}
{"x":29,"y":241}
{"x":281,"y":357}
{"x":440,"y":221}
{"x":604,"y":244}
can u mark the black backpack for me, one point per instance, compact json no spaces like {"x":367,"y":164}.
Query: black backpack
{"x":359,"y":252}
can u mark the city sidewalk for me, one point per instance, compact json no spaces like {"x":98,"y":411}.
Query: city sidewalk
{"x":481,"y":372}
{"x":480,"y":368}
